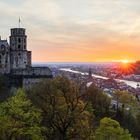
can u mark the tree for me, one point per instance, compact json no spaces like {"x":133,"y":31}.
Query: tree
{"x":65,"y":115}
{"x":19,"y":119}
{"x":100,"y":101}
{"x":110,"y":130}
{"x":127,"y":110}
{"x":127,"y":101}
{"x":137,"y":130}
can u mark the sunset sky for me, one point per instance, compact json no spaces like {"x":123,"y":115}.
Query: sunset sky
{"x":76,"y":30}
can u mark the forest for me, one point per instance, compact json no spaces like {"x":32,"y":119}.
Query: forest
{"x":60,"y":109}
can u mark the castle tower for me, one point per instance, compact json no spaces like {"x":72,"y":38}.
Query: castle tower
{"x":20,"y":57}
{"x":18,"y":39}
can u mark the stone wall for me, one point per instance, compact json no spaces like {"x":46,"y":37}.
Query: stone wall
{"x":4,"y":57}
{"x":32,"y":71}
{"x":20,"y":59}
{"x":28,"y":82}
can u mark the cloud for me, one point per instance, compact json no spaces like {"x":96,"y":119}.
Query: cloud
{"x":85,"y":30}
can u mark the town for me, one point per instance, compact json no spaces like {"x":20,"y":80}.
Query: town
{"x":84,"y":75}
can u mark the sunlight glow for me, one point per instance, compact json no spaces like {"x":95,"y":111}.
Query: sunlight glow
{"x":125,"y":61}
{"x":126,"y":66}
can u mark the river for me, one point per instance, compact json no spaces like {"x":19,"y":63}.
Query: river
{"x":129,"y":83}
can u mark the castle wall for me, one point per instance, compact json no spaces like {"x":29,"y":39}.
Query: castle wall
{"x":28,"y":82}
{"x":33,"y":71}
{"x":4,"y":57}
{"x":20,"y":59}
{"x":29,"y":58}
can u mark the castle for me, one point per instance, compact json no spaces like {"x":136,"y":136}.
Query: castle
{"x":16,"y":60}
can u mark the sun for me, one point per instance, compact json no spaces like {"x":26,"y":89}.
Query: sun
{"x":126,"y":66}
{"x":125,"y":61}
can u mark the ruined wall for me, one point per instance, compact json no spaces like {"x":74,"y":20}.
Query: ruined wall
{"x":33,"y":71}
{"x":28,"y":82}
{"x":20,"y":59}
{"x":4,"y":57}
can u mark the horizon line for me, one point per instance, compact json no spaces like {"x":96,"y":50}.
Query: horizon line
{"x":86,"y":62}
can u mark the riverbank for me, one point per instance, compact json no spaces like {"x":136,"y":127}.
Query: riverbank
{"x":129,"y":83}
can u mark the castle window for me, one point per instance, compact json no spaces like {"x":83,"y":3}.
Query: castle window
{"x":24,"y":40}
{"x":19,"y":40}
{"x":19,"y":46}
{"x":24,"y":46}
{"x":6,"y":61}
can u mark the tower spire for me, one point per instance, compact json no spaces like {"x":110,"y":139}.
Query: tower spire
{"x":19,"y":21}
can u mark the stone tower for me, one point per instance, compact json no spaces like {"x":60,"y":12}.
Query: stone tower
{"x":20,"y":57}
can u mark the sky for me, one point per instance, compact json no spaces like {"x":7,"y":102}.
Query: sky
{"x":76,"y":30}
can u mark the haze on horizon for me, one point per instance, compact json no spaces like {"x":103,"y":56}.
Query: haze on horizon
{"x":76,"y":30}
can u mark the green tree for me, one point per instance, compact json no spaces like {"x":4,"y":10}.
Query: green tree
{"x":127,"y":101}
{"x":100,"y":101}
{"x":65,"y":115}
{"x":19,"y":119}
{"x":126,"y":111}
{"x":110,"y":130}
